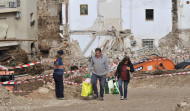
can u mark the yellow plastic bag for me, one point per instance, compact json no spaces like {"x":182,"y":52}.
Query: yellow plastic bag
{"x":86,"y":89}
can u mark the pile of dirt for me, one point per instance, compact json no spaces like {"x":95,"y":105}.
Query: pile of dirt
{"x":46,"y":92}
{"x":31,"y":86}
{"x":7,"y":99}
{"x":73,"y":91}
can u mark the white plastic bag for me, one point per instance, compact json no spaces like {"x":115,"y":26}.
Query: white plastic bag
{"x":88,"y":80}
{"x":110,"y":85}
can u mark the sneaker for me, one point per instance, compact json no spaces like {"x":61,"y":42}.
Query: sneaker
{"x":95,"y":96}
{"x":121,"y":98}
{"x":101,"y":98}
{"x":61,"y":98}
{"x":125,"y":98}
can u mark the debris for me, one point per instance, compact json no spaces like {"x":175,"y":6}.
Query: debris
{"x":183,"y":106}
{"x":8,"y":99}
{"x":50,"y":86}
{"x":18,"y":54}
{"x":43,"y":91}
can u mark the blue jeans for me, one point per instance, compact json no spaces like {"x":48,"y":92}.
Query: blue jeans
{"x":121,"y":88}
{"x":102,"y":80}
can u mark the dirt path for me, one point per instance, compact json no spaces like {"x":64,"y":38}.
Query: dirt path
{"x":139,"y":99}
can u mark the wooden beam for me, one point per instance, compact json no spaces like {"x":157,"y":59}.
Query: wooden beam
{"x":112,"y":44}
{"x":105,"y":45}
{"x":118,"y":36}
{"x":121,"y":42}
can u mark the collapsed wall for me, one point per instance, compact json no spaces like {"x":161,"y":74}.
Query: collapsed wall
{"x":176,"y":42}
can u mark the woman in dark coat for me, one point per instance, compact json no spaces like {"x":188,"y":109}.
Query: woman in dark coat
{"x":123,"y":74}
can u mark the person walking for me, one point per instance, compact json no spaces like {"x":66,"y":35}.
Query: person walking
{"x":58,"y":75}
{"x":99,"y":67}
{"x":123,"y":74}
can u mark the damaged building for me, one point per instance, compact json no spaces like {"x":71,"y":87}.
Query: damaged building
{"x":145,"y":23}
{"x":132,"y":26}
{"x":18,"y":24}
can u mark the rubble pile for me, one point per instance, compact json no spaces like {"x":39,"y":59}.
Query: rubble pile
{"x":73,"y":92}
{"x":171,"y":46}
{"x":13,"y":57}
{"x":8,"y":99}
{"x":48,"y":92}
{"x":31,"y":86}
{"x":17,"y":57}
{"x":183,"y":106}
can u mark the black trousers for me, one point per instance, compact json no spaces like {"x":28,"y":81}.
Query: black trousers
{"x":102,"y":80}
{"x":59,"y":87}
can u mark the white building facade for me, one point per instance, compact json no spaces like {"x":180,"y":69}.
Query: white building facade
{"x":147,"y":20}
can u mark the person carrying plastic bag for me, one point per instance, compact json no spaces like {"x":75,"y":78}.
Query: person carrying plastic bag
{"x":123,"y":73}
{"x":99,"y":67}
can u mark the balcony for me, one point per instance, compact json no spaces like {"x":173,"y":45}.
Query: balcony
{"x":8,"y":10}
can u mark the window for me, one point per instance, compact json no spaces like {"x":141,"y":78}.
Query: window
{"x":32,"y":21}
{"x":84,"y":9}
{"x":149,"y":14}
{"x":148,"y":42}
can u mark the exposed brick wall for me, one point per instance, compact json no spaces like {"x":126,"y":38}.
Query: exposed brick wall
{"x":48,"y":23}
